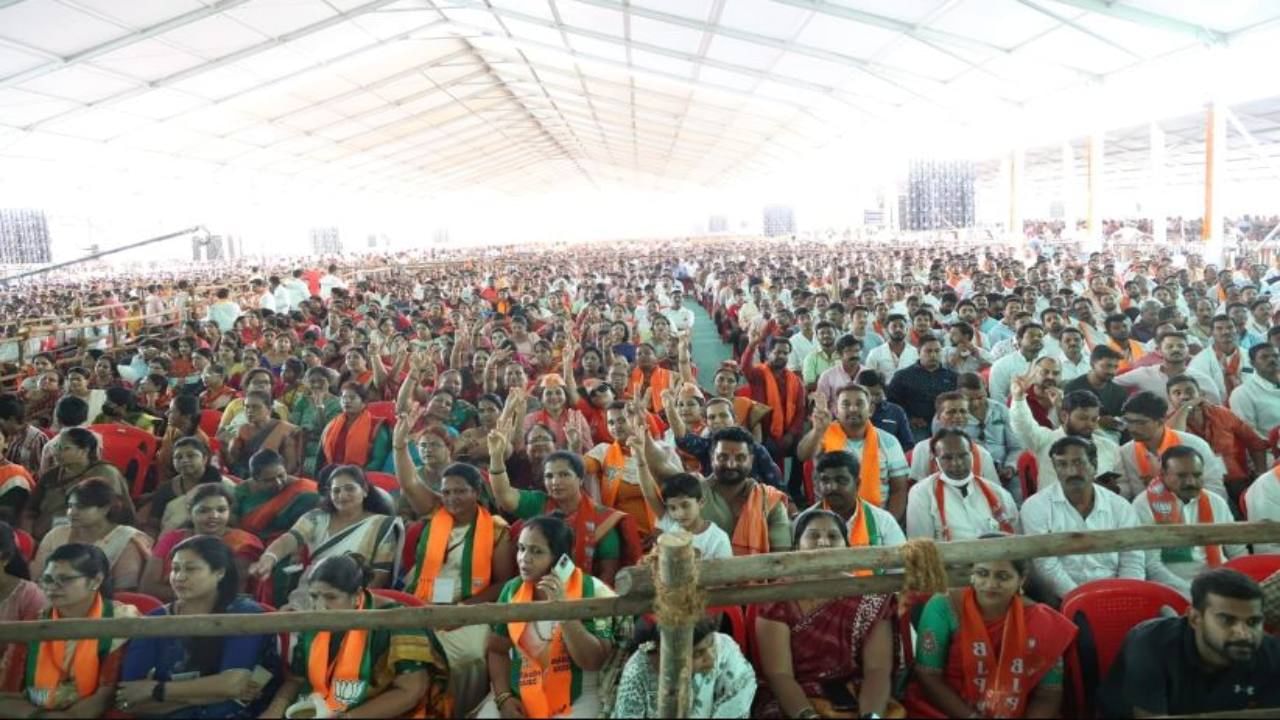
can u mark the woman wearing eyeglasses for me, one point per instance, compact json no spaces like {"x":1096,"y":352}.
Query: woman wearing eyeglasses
{"x":72,"y":678}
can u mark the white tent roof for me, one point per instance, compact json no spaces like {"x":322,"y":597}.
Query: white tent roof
{"x":423,"y":96}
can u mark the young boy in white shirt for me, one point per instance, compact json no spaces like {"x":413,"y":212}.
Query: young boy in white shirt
{"x":681,"y":503}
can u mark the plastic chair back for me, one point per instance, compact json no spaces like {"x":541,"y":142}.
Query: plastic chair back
{"x":1258,"y":567}
{"x":209,"y":420}
{"x":1028,"y":473}
{"x":737,"y":623}
{"x":131,"y":450}
{"x":384,"y":410}
{"x":144,"y":602}
{"x":1105,"y":611}
{"x":385,"y":481}
{"x":26,"y":544}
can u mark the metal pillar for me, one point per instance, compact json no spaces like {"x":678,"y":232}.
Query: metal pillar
{"x":1017,"y":167}
{"x":1215,"y":149}
{"x":1093,"y":205}
{"x":1155,"y":188}
{"x":1068,"y":190}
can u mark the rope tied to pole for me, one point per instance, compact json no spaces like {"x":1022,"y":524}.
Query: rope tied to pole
{"x":923,"y":567}
{"x":684,"y":604}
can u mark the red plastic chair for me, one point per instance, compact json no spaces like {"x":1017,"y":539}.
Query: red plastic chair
{"x":1028,"y":474}
{"x":386,"y":481}
{"x":1258,"y":567}
{"x":384,"y":410}
{"x":209,"y":420}
{"x":144,"y":602}
{"x":403,"y":598}
{"x":737,"y":624}
{"x":131,"y":450}
{"x":26,"y":544}
{"x":1105,"y":611}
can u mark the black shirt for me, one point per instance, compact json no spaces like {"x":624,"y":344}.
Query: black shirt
{"x":915,"y":389}
{"x":1160,"y":671}
{"x":1111,"y":395}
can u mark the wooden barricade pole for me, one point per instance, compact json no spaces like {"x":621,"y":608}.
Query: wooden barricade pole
{"x":677,"y":575}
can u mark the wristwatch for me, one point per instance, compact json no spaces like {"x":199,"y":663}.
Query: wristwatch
{"x":158,"y":692}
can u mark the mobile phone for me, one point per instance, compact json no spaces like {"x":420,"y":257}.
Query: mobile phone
{"x":563,"y":568}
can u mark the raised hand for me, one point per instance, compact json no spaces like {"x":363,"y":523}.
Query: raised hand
{"x":497,"y":438}
{"x":1020,"y":385}
{"x":821,"y":415}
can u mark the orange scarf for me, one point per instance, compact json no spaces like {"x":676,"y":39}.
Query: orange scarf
{"x":1003,"y":695}
{"x":359,"y":439}
{"x":835,"y":439}
{"x":51,"y":663}
{"x":659,"y":380}
{"x":997,"y":508}
{"x":481,"y":552}
{"x":1132,"y":352}
{"x":784,"y":409}
{"x":1230,"y":369}
{"x":1166,"y":509}
{"x":259,"y":519}
{"x":973,"y":451}
{"x":751,"y":533}
{"x":1145,"y":471}
{"x":612,"y":469}
{"x":341,"y":683}
{"x":545,"y":692}
{"x":860,"y":533}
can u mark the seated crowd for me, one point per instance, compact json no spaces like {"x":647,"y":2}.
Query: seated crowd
{"x":519,"y":430}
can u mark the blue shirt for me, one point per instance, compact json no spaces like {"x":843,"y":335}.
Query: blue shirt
{"x":999,"y":331}
{"x":170,"y":656}
{"x":892,"y":419}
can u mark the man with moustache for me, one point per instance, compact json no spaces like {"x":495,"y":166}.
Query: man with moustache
{"x":821,"y":358}
{"x":1118,"y":339}
{"x":860,"y":329}
{"x":895,"y":354}
{"x":1084,"y":321}
{"x":1071,"y":355}
{"x":1216,"y":659}
{"x":718,"y":413}
{"x":1257,"y":400}
{"x":1074,"y":504}
{"x":883,"y":476}
{"x":1224,"y":362}
{"x":753,"y":514}
{"x":1077,"y":417}
{"x":954,"y":503}
{"x":1146,"y":417}
{"x":781,"y":389}
{"x":1177,"y":497}
{"x":916,"y":388}
{"x":953,"y":414}
{"x":1030,"y":343}
{"x":1045,"y":393}
{"x":1154,"y":378}
{"x":835,"y":483}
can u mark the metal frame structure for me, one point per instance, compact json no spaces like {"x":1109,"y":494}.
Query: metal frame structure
{"x":424,"y":96}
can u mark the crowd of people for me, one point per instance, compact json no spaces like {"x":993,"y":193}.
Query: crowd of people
{"x":513,"y":427}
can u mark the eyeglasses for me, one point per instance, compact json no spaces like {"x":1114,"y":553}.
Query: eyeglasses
{"x":58,"y":580}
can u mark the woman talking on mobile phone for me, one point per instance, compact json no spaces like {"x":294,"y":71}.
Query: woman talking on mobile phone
{"x":548,"y":669}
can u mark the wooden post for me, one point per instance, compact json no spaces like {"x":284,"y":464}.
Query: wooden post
{"x":677,"y":569}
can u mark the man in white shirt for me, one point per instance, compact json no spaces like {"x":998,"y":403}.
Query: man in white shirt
{"x":329,"y":281}
{"x":1073,"y":505}
{"x":1154,"y":378}
{"x":1144,"y":417}
{"x":1030,"y":342}
{"x":1071,"y":354}
{"x":681,"y":317}
{"x":296,"y":288}
{"x":953,"y":504}
{"x":895,"y":354}
{"x":1078,"y":418}
{"x":1262,"y":502}
{"x":803,"y":341}
{"x":1223,"y":361}
{"x":1178,"y":497}
{"x":952,"y":413}
{"x":266,"y":301}
{"x":1257,"y":400}
{"x":835,"y":483}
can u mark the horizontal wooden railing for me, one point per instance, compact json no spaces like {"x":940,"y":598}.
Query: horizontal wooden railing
{"x":733,"y":581}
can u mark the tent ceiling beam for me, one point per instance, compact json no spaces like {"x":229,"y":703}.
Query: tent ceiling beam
{"x":1148,"y":19}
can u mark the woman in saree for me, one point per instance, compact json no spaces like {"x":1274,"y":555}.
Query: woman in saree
{"x":355,"y":437}
{"x":168,"y":506}
{"x":182,"y":421}
{"x":20,"y":599}
{"x":357,"y":368}
{"x":722,"y":682}
{"x":75,"y":460}
{"x":72,"y":678}
{"x":270,"y":501}
{"x":991,"y":614}
{"x":41,"y":398}
{"x":291,"y":385}
{"x":462,"y":553}
{"x":312,"y":411}
{"x":826,"y":658}
{"x":88,"y":507}
{"x":472,"y":445}
{"x":353,"y":517}
{"x":361,"y":673}
{"x":209,"y":514}
{"x":263,"y":432}
{"x":279,"y":351}
{"x":121,"y":407}
{"x":747,"y":413}
{"x":200,"y":677}
{"x":548,"y":668}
